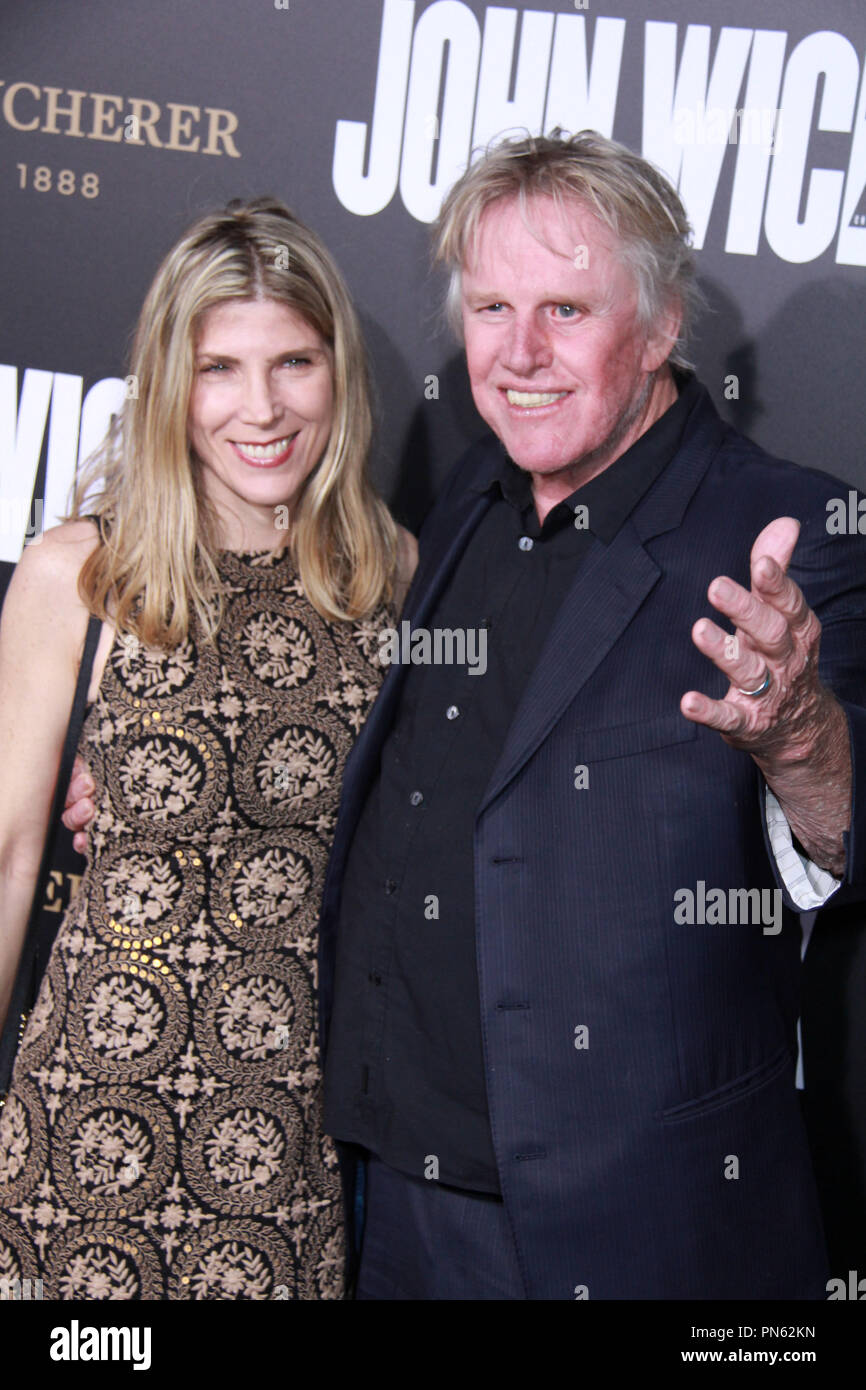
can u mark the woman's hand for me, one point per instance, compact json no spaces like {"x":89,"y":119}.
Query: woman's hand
{"x":42,"y":634}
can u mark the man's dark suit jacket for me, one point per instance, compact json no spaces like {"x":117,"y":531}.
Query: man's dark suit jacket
{"x":667,"y":1158}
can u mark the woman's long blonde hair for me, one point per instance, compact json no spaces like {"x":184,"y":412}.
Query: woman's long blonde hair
{"x":156,"y":565}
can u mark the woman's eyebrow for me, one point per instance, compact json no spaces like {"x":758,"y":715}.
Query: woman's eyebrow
{"x":303,"y":350}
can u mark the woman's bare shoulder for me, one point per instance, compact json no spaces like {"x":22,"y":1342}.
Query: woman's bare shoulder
{"x":44,"y":585}
{"x":59,"y":553}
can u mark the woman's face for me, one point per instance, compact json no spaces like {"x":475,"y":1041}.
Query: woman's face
{"x":260,"y":412}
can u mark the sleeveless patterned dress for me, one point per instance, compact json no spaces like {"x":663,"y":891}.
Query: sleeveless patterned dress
{"x":162,"y":1136}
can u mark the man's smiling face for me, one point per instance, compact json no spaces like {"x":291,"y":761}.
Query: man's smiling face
{"x":558,"y":363}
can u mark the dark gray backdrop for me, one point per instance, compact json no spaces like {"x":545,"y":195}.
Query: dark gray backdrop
{"x":75,"y":269}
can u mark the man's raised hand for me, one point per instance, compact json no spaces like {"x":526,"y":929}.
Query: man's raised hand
{"x":792,"y":725}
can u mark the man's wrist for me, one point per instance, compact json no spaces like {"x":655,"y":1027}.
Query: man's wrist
{"x":811,"y":781}
{"x":819,"y":742}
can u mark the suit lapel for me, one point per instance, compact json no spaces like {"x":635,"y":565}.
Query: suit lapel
{"x":610,"y":587}
{"x":612,"y":584}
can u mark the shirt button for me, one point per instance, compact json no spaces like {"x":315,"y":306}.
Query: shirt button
{"x":416,"y":798}
{"x":390,"y":886}
{"x":526,"y":542}
{"x":374,"y":978}
{"x":452,"y":712}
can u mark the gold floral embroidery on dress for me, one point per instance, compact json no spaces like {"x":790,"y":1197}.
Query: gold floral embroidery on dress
{"x":162,"y":1137}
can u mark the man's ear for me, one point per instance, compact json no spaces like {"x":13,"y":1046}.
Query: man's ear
{"x":662,"y":336}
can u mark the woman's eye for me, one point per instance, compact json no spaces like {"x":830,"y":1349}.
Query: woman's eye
{"x":214,"y":368}
{"x":296,"y":361}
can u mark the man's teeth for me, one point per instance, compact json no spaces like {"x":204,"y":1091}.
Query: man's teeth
{"x":530,"y":398}
{"x":266,"y":451}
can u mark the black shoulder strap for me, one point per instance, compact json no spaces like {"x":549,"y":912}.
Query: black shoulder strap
{"x":23,"y":990}
{"x":70,"y":746}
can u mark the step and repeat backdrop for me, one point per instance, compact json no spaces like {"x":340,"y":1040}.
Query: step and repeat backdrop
{"x":120,"y":122}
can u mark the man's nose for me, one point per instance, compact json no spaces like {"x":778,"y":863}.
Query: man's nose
{"x":528,"y":347}
{"x":260,"y":404}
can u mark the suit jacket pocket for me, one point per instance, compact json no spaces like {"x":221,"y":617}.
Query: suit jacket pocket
{"x":624,"y":740}
{"x":732,"y":1091}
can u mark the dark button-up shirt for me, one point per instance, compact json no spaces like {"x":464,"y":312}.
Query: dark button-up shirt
{"x":405,"y":1074}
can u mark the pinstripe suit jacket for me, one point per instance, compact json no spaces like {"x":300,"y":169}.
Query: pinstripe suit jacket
{"x":659,"y":1153}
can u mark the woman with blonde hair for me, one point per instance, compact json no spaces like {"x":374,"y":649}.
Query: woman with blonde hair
{"x":162,"y":1137}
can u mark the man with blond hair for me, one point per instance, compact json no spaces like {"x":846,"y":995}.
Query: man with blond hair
{"x":562,"y":1039}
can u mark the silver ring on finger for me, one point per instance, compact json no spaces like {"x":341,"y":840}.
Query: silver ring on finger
{"x":761,"y":689}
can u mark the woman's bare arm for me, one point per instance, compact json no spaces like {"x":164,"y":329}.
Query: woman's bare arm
{"x":42,"y":634}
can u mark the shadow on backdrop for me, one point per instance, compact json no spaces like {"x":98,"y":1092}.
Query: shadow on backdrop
{"x":780,"y":369}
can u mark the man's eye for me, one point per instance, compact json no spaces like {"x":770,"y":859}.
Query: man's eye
{"x":491,"y":308}
{"x":567,"y":311}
